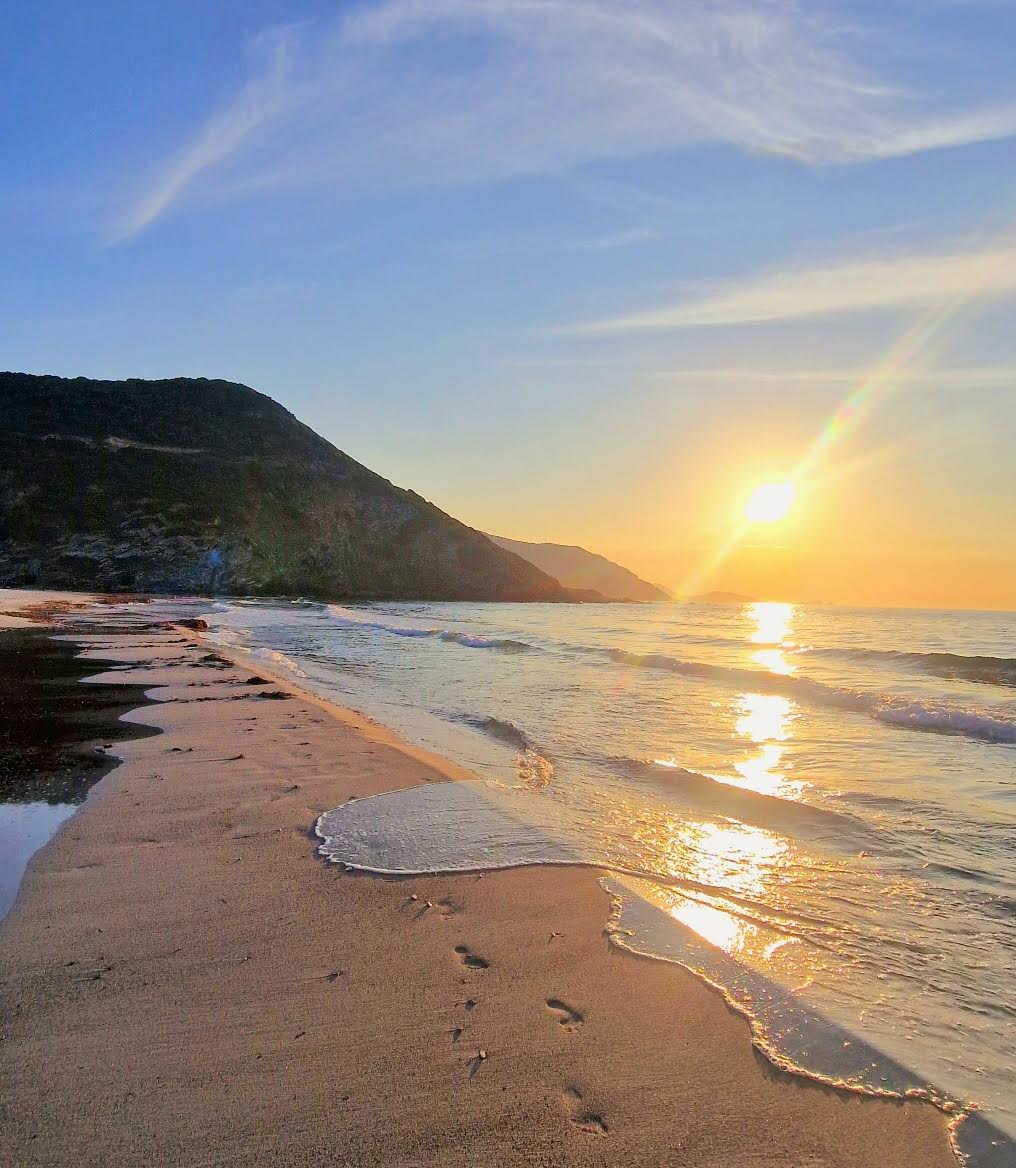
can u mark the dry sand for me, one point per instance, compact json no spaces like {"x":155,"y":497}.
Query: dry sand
{"x":183,"y":981}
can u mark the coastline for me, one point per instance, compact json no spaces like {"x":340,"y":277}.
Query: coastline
{"x":230,"y":998}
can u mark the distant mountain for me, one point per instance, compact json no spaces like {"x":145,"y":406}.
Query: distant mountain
{"x":583,"y":571}
{"x":722,"y":598}
{"x":190,"y":485}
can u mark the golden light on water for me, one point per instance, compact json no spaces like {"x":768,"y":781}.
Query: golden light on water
{"x":737,"y":855}
{"x":771,"y":620}
{"x":741,"y":859}
{"x":734,"y":856}
{"x":770,"y":502}
{"x":772,"y":624}
{"x":764,"y":717}
{"x":765,"y":720}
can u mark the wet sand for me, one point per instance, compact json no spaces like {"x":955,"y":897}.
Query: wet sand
{"x":184,"y":981}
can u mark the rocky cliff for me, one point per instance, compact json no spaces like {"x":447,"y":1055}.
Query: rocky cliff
{"x":191,"y":485}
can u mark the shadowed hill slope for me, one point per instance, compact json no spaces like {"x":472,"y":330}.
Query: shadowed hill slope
{"x":576,"y":568}
{"x":191,"y":485}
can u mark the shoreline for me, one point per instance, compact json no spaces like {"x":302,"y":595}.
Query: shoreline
{"x":310,"y":1006}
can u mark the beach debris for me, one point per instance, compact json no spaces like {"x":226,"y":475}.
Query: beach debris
{"x":413,"y":896}
{"x":94,"y":974}
{"x":255,"y":680}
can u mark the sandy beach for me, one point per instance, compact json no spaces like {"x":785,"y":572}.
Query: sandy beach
{"x":184,"y":981}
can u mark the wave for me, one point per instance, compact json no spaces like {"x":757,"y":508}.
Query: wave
{"x":953,"y":666}
{"x":348,"y":616}
{"x":277,"y":657}
{"x":533,"y":768}
{"x":495,"y":728}
{"x":895,"y":710}
{"x":714,"y":795}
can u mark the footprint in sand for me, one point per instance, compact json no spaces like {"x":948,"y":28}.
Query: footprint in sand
{"x":470,"y":959}
{"x":580,"y":1117}
{"x":568,"y":1016}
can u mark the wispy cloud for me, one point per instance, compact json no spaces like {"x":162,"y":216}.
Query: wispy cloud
{"x":973,"y":377}
{"x":405,"y":93}
{"x":830,"y":289}
{"x":768,"y":378}
{"x":536,"y":245}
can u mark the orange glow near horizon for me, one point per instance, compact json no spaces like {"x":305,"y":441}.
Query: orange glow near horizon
{"x":772,"y":503}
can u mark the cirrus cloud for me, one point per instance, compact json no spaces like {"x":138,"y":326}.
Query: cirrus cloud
{"x":831,"y":289}
{"x":416,"y":93}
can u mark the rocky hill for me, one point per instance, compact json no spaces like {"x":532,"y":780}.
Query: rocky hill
{"x":584,"y":571}
{"x":191,"y":485}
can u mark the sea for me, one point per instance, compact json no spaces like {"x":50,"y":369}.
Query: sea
{"x":813,"y":808}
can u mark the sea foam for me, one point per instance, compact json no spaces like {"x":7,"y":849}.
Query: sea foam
{"x":402,"y":628}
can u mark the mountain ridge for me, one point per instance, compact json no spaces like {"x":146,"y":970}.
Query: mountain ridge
{"x":584,"y":571}
{"x":205,"y":485}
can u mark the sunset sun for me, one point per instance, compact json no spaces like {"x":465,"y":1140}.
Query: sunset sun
{"x":769,"y":502}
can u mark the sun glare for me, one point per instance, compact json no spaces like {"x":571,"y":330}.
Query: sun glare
{"x":769,"y":502}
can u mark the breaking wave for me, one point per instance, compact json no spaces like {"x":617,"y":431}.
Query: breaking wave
{"x":937,"y":717}
{"x":952,"y":666}
{"x":533,"y":768}
{"x":722,"y":797}
{"x":893,"y":709}
{"x":495,"y":728}
{"x":277,"y":657}
{"x":351,"y":617}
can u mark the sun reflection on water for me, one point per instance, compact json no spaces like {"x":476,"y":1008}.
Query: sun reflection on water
{"x":739,"y":859}
{"x":771,"y":620}
{"x":765,"y":720}
{"x":737,"y":864}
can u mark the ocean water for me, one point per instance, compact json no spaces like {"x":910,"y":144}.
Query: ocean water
{"x":814,"y":808}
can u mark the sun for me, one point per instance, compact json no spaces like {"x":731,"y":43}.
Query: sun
{"x":769,"y":502}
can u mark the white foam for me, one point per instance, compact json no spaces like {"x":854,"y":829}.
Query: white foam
{"x":403,"y":628}
{"x":278,"y":658}
{"x":988,"y":725}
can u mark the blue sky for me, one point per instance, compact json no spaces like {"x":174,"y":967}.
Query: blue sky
{"x":578,"y":270}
